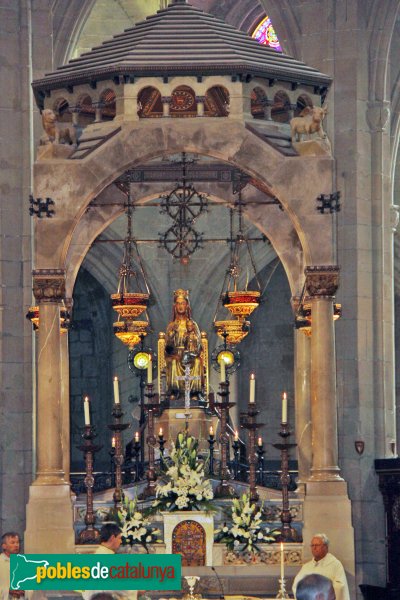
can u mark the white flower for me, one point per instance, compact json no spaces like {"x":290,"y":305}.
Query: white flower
{"x":181,"y":502}
{"x":148,"y":538}
{"x":236,"y":543}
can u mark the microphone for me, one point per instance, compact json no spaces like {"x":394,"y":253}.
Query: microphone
{"x":222,"y":595}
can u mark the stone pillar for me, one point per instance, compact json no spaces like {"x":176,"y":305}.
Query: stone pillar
{"x":49,"y":511}
{"x":326,"y":505}
{"x":321,"y":284}
{"x":303,"y":402}
{"x":98,"y":106}
{"x":166,"y":103}
{"x":65,"y":400}
{"x":200,"y":105}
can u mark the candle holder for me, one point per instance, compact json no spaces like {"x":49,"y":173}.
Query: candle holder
{"x":260,"y":465}
{"x":151,"y":407}
{"x":161,"y":442}
{"x":89,"y":535}
{"x":287,"y":532}
{"x":251,"y":425}
{"x":117,"y":427}
{"x":112,"y":465}
{"x":282,"y":589}
{"x":236,"y":459}
{"x":224,"y":489}
{"x":211,"y":442}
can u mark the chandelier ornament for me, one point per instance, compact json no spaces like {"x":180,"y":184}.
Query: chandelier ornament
{"x":65,"y":319}
{"x":240,"y":302}
{"x":183,"y":205}
{"x":131,"y":304}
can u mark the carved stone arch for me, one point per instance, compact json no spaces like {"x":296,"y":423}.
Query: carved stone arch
{"x":280,"y":110}
{"x":107,"y":101}
{"x":183,"y":102}
{"x":149,"y":102}
{"x":62,"y":109}
{"x":86,"y":110}
{"x":286,"y":24}
{"x":217,"y":101}
{"x":259,"y":101}
{"x":301,"y":103}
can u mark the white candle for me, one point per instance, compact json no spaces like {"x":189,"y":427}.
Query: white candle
{"x":252,"y":398}
{"x":223,"y":375}
{"x":160,"y":433}
{"x":116,"y":390}
{"x":284,"y":408}
{"x":259,"y":441}
{"x":113,"y":442}
{"x":136,"y":436}
{"x":150,"y":370}
{"x":282,"y":562}
{"x":211,"y":431}
{"x":86,"y":410}
{"x":236,"y":436}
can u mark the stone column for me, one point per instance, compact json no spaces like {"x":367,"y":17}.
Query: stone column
{"x":321,"y":284}
{"x":200,"y":105}
{"x":49,"y":511}
{"x":65,"y":401}
{"x":166,"y":103}
{"x":303,"y":402}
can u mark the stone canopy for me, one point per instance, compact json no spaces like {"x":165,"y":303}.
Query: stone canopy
{"x":181,"y":40}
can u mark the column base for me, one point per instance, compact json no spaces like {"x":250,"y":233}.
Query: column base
{"x":327,"y":509}
{"x":325,"y":474}
{"x":49,"y":520}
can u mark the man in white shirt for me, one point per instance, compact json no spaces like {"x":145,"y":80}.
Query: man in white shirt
{"x":325,"y":564}
{"x":10,"y":544}
{"x":315,"y":587}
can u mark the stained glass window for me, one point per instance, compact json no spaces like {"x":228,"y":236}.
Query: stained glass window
{"x":265,"y":34}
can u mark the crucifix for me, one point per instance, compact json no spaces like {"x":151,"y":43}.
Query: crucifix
{"x":187,"y":379}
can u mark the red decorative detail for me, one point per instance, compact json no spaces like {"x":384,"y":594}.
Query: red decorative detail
{"x":189,"y":540}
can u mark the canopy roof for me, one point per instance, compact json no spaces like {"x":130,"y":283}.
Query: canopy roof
{"x":180,"y":40}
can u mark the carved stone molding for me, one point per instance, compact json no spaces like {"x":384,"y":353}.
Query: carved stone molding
{"x":378,"y":113}
{"x":322,"y":281}
{"x":49,"y":285}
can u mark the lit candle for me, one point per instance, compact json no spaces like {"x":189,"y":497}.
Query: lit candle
{"x":282,"y":563}
{"x":211,"y":431}
{"x":136,"y":436}
{"x":252,"y":398}
{"x":284,"y":408}
{"x":223,"y":374}
{"x":236,"y":436}
{"x":116,"y":390}
{"x":150,"y":370}
{"x":86,"y":410}
{"x":160,"y":433}
{"x":259,"y":442}
{"x":113,"y":442}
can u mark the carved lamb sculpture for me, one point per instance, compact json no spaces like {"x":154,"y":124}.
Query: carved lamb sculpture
{"x":309,"y":121}
{"x":56,"y":132}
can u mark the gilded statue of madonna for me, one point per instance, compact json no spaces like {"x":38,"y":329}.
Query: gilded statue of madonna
{"x":183,"y":347}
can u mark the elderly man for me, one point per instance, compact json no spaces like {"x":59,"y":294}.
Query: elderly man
{"x":315,"y":587}
{"x":10,"y":544}
{"x":324,"y":563}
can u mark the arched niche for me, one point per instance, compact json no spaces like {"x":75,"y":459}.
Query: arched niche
{"x":280,"y":110}
{"x":149,"y":103}
{"x":217,"y":102}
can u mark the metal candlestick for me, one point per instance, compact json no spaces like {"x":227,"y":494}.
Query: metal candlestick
{"x":161,"y":442}
{"x":236,"y":458}
{"x":224,"y":489}
{"x":282,"y":589}
{"x":150,"y":407}
{"x":260,"y":466}
{"x":117,"y":427}
{"x":211,"y":442}
{"x":287,"y":532}
{"x":251,"y":425}
{"x":112,"y":465}
{"x":89,"y":535}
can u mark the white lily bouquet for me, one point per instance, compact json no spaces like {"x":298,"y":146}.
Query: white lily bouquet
{"x":247,"y":529}
{"x":187,"y":487}
{"x":136,"y":528}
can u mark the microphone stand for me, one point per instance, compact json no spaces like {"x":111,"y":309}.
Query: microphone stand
{"x":222,"y":595}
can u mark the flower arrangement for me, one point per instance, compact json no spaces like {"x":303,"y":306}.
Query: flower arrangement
{"x":247,"y":529}
{"x":136,"y":528}
{"x":187,"y":487}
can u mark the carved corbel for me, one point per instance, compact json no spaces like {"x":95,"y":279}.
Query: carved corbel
{"x":49,"y":285}
{"x":322,"y":281}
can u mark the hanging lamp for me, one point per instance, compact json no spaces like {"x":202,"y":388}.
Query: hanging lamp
{"x":130,"y":304}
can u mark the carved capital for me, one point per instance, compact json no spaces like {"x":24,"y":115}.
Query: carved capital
{"x":394,"y":217}
{"x":378,"y":113}
{"x":322,"y":280}
{"x":49,"y":285}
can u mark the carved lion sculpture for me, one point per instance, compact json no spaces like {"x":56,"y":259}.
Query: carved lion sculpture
{"x":309,"y":121}
{"x":59,"y":133}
